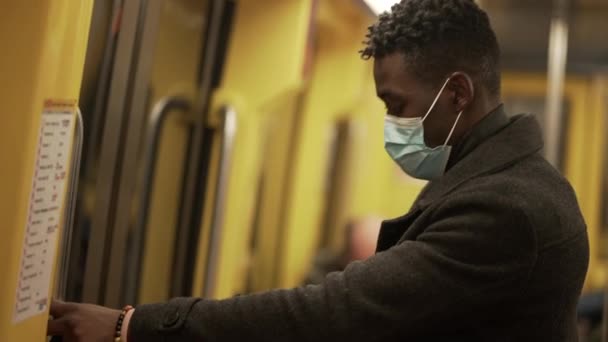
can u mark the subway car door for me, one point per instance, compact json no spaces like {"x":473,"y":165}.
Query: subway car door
{"x":201,"y":100}
{"x":147,"y":155}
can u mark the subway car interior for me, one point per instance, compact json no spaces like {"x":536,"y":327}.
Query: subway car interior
{"x":214,"y":148}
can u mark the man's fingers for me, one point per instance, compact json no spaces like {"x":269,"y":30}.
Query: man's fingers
{"x":57,"y":327}
{"x":59,"y":308}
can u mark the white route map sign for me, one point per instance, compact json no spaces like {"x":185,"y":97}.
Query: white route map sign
{"x":46,"y":203}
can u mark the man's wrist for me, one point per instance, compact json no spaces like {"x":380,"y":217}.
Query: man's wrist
{"x":124,"y":330}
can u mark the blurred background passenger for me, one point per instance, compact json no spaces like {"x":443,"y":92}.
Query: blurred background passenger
{"x":360,"y":237}
{"x":590,"y":311}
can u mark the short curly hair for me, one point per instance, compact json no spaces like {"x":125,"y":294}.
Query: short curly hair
{"x":438,"y":37}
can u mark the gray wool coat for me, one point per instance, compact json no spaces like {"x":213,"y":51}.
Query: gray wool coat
{"x":495,"y":250}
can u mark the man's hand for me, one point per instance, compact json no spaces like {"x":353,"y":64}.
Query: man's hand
{"x":82,"y":322}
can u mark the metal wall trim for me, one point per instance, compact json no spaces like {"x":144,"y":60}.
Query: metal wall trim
{"x":61,"y":285}
{"x":188,"y":212}
{"x":91,"y":139}
{"x":101,"y":230}
{"x":142,"y":62}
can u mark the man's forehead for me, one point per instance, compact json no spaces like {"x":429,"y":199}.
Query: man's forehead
{"x":394,"y":67}
{"x":389,"y":65}
{"x":391,"y":75}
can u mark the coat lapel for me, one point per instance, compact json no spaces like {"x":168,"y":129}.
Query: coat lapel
{"x":521,"y":138}
{"x":392,"y":230}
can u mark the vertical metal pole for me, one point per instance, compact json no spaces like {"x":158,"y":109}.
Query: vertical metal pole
{"x":228,"y":132}
{"x":558,"y":52}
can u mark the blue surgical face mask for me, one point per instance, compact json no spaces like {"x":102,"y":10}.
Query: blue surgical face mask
{"x":404,"y":142}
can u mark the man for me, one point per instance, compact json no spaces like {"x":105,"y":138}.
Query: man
{"x":494,"y":249}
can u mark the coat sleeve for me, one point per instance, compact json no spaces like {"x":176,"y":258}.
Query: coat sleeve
{"x":476,"y":253}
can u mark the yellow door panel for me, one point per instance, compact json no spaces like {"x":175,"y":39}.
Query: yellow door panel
{"x":48,"y":44}
{"x":223,"y":251}
{"x":278,"y":133}
{"x":267,"y":50}
{"x":336,"y":84}
{"x":264,"y":71}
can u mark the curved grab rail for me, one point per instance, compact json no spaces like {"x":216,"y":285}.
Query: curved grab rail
{"x":228,"y":127}
{"x":158,"y":117}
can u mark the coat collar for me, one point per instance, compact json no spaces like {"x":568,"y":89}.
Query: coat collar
{"x":520,"y":138}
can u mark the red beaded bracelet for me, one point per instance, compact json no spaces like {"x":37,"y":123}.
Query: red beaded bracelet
{"x":117,"y":335}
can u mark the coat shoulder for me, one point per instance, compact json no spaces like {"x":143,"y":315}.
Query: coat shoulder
{"x":540,"y":192}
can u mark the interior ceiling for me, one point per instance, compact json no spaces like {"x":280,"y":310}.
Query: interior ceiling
{"x":522,"y":27}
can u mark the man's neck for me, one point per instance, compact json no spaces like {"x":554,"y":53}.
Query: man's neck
{"x":486,"y":126}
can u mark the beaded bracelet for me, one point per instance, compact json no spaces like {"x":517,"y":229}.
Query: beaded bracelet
{"x":117,"y":335}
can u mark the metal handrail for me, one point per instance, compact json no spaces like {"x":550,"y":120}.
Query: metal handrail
{"x":70,"y":209}
{"x":228,"y":129}
{"x":157,"y":120}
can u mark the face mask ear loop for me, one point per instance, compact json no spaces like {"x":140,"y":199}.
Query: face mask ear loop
{"x":436,"y":98}
{"x":453,"y":128}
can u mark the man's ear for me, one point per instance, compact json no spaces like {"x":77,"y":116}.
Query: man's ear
{"x":462,"y":89}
